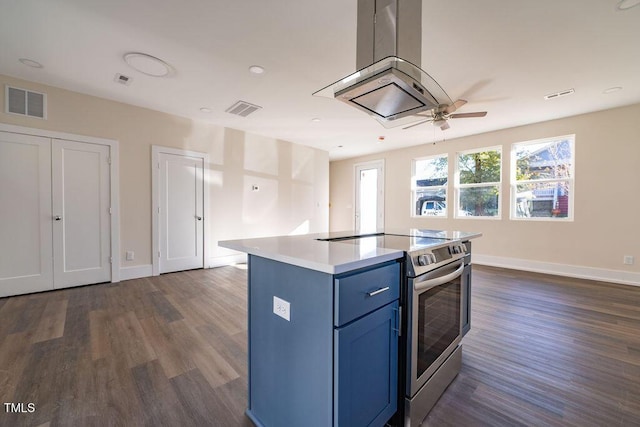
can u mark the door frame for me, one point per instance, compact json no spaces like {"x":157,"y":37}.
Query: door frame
{"x":378,"y":164}
{"x":155,"y":201}
{"x":114,"y":183}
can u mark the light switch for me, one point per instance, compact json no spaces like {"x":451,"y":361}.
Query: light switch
{"x":130,"y":255}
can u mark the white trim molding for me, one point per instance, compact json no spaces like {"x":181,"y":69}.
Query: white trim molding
{"x":577,"y":271}
{"x":222,"y":261}
{"x":136,"y":272}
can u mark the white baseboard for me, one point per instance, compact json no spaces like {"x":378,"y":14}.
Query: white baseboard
{"x":221,"y":261}
{"x":577,"y":271}
{"x":136,"y":272}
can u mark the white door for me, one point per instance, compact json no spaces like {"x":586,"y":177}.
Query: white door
{"x":181,"y":213}
{"x":25,"y":214}
{"x":81,"y":212}
{"x":369,"y":197}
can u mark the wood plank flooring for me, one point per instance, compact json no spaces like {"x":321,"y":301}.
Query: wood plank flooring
{"x":172,"y":350}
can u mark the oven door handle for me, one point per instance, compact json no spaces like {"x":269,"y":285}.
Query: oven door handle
{"x":432,"y":283}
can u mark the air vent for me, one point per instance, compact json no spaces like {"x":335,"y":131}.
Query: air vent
{"x":25,"y":102}
{"x":122,"y":79}
{"x":242,"y":108}
{"x":559,"y":94}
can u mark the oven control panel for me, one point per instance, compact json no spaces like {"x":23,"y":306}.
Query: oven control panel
{"x":423,"y":260}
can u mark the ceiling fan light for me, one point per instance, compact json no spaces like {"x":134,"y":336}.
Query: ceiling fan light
{"x":439,"y":122}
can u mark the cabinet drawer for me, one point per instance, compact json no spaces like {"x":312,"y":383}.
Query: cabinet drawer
{"x":360,"y":293}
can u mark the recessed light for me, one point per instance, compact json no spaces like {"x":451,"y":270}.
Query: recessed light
{"x":612,"y":89}
{"x":31,"y":63}
{"x":627,"y":4}
{"x":147,"y":64}
{"x":315,"y":119}
{"x":256,"y":69}
{"x":384,"y":81}
{"x":205,"y":110}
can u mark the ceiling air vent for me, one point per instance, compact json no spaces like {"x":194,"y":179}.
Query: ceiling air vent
{"x":25,"y":102}
{"x":242,"y":108}
{"x":558,"y":94}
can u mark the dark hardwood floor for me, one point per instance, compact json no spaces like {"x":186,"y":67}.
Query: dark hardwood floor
{"x":171,"y":351}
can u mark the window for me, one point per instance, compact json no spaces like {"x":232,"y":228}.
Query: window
{"x":542,"y":179}
{"x":429,"y":186}
{"x":478,"y":176}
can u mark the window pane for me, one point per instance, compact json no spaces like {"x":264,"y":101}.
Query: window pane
{"x":430,"y":184}
{"x":479,"y":201}
{"x":542,"y":200}
{"x":476,"y":168}
{"x":544,"y":160}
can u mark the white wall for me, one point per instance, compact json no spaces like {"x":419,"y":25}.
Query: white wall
{"x":293,"y":180}
{"x":607,"y":199}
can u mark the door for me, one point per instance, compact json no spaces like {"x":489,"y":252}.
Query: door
{"x":25,"y":214}
{"x":366,"y":363}
{"x":369,"y":197}
{"x":81,"y":213}
{"x":181,"y":213}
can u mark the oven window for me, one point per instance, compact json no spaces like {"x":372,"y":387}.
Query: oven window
{"x":438,"y":322}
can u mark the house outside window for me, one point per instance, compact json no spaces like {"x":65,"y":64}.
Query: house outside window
{"x":429,"y":186}
{"x":478,"y":180}
{"x":542,"y":179}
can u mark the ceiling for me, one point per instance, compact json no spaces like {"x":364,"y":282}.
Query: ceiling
{"x":501,"y":56}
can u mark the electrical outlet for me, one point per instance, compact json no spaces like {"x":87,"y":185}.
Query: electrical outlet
{"x":628,"y":260}
{"x":130,"y":255}
{"x":282,"y":308}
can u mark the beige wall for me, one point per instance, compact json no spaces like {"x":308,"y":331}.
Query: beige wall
{"x":607,"y":198}
{"x":293,"y":179}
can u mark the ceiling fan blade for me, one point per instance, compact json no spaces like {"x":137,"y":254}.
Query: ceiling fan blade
{"x":453,"y":107}
{"x":416,"y":124}
{"x":467,"y":115}
{"x":445,"y":126}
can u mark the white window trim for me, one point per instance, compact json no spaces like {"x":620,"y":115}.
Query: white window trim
{"x":414,"y":188}
{"x":571,"y":180}
{"x":457,"y":186}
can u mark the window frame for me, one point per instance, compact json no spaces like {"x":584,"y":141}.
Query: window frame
{"x":414,"y":187}
{"x":513,"y":184}
{"x":458,"y":186}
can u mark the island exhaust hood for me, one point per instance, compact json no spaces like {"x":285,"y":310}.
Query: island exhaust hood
{"x":389,"y":84}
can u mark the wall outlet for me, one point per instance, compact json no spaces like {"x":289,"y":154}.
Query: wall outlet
{"x":130,"y":255}
{"x":282,"y":308}
{"x":628,"y":260}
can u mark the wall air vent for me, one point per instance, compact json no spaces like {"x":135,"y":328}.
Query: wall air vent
{"x":25,"y":102}
{"x":559,"y":94}
{"x":242,"y":108}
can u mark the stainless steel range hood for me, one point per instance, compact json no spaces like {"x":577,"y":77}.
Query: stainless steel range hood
{"x":389,"y":84}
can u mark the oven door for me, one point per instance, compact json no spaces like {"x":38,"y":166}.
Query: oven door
{"x":434,"y":322}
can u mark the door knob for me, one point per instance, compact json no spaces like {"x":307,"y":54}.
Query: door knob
{"x":57,"y":218}
{"x":199,"y":218}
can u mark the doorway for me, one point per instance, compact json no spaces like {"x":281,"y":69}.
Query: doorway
{"x":369,"y":196}
{"x":179,"y":214}
{"x":56,"y":229}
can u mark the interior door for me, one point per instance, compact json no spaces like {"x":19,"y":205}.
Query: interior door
{"x":181,"y":213}
{"x":25,"y":214}
{"x":81,"y":213}
{"x":369,"y":197}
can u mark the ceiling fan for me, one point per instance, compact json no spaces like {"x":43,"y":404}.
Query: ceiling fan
{"x":439,"y":116}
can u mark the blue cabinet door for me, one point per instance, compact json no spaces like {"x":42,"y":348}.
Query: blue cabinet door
{"x":366,"y":363}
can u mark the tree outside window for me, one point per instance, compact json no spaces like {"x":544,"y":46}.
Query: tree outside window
{"x":542,"y":179}
{"x":478,"y":185}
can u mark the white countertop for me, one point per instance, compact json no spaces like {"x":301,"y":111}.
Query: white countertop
{"x":330,"y":257}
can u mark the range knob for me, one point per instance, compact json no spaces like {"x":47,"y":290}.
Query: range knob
{"x":422,"y":260}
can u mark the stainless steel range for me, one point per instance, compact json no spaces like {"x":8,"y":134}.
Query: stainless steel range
{"x":435,"y":304}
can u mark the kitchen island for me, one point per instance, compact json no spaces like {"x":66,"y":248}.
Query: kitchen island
{"x":324,"y":327}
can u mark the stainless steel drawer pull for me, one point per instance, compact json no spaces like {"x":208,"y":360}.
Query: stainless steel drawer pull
{"x":379,"y":291}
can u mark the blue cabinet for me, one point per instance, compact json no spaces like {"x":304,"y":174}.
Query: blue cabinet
{"x":332,"y":359}
{"x":366,"y":369}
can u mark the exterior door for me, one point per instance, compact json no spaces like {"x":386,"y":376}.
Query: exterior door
{"x":81,"y":213}
{"x":25,"y":214}
{"x":181,"y":212}
{"x":369,"y":197}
